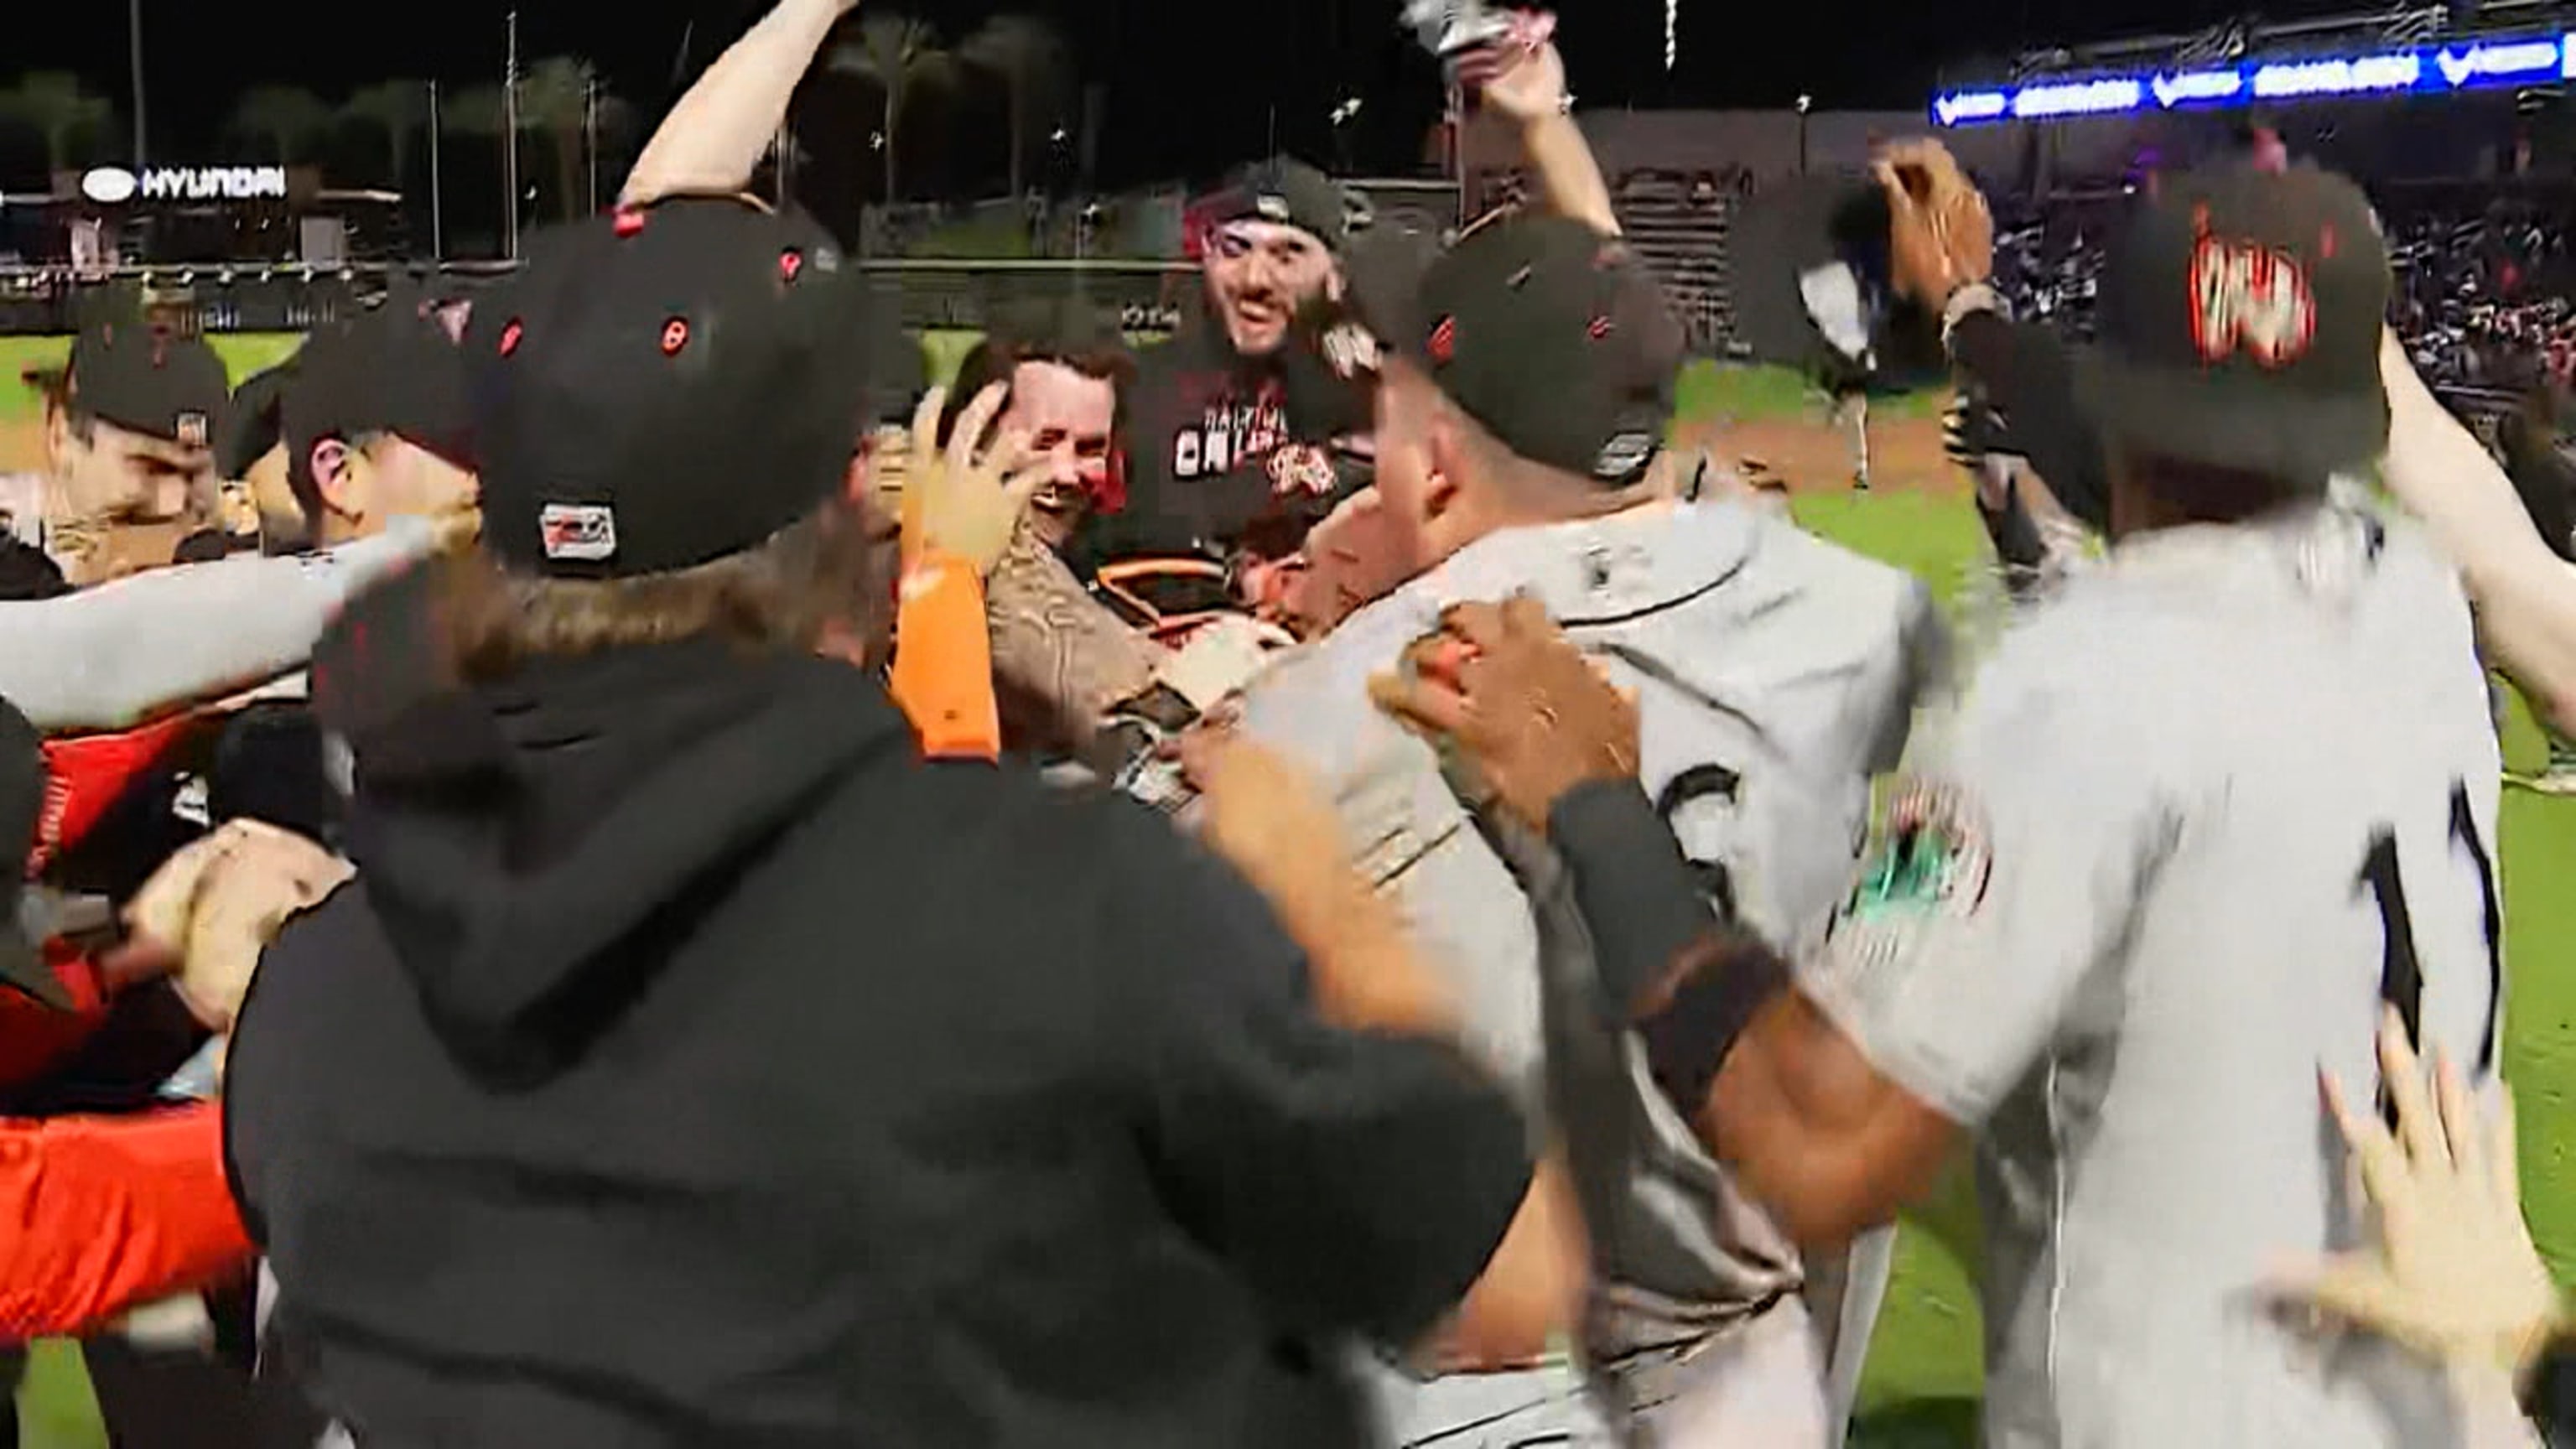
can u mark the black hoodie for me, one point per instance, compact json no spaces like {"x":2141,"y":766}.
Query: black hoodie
{"x":692,"y":1064}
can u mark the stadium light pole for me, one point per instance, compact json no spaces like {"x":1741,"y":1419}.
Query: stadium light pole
{"x":134,"y":56}
{"x":510,"y":138}
{"x":437,"y":186}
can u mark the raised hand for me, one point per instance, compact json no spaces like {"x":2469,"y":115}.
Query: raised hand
{"x":967,"y":499}
{"x":2455,"y":1275}
{"x":1522,"y":76}
{"x":1527,"y":715}
{"x":1941,"y":235}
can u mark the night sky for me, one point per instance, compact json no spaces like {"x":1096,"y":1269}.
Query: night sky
{"x":1189,"y":87}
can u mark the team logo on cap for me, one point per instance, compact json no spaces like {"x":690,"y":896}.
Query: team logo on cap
{"x":1274,"y":208}
{"x":192,"y":430}
{"x":1623,"y":455}
{"x":578,"y":532}
{"x":2252,"y":299}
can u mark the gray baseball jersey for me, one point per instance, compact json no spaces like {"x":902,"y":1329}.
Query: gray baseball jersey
{"x":2197,"y":820}
{"x":1776,"y":674}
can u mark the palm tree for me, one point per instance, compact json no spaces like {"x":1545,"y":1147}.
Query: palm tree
{"x":54,"y":105}
{"x":900,"y":56}
{"x":555,"y":98}
{"x":400,"y":109}
{"x":1028,"y":54}
{"x":289,"y":118}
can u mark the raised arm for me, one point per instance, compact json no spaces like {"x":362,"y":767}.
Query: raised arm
{"x":714,"y":138}
{"x":1523,"y":80}
{"x":2525,"y":596}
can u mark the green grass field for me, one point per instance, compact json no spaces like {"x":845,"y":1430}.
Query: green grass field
{"x":1924,"y":1367}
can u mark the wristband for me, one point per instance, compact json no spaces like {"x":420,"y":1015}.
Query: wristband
{"x":932,"y":567}
{"x":2549,"y":1399}
{"x":1639,"y":897}
{"x":1731,"y":976}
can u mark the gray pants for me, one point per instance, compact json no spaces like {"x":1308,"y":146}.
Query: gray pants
{"x":1851,"y":415}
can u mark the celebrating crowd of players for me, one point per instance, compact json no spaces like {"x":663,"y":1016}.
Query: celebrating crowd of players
{"x":634,"y":923}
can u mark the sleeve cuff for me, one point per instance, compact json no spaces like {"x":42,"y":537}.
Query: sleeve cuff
{"x":1639,"y":897}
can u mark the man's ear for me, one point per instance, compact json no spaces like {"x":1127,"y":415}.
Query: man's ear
{"x":58,"y":434}
{"x":335,"y":470}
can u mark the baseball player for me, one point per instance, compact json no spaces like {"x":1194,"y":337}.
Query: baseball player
{"x":2126,"y":986}
{"x":1850,"y":412}
{"x":129,"y":428}
{"x":1519,"y":430}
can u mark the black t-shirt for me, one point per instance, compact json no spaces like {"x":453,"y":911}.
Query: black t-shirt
{"x":1202,"y":427}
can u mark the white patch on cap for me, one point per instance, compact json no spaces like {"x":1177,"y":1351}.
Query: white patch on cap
{"x":2250,"y":298}
{"x":1622,"y":454}
{"x":1275,"y":208}
{"x":578,"y":532}
{"x":192,"y":430}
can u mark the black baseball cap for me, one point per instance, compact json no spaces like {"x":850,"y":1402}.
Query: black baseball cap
{"x":1288,"y":192}
{"x":1552,"y":336}
{"x":131,"y":374}
{"x":22,"y":804}
{"x":2239,"y":319}
{"x":662,"y":388}
{"x":255,"y":422}
{"x":390,"y":370}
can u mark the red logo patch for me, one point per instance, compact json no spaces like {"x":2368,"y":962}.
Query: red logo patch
{"x":2250,"y":298}
{"x":675,"y":335}
{"x":1444,"y":340}
{"x":790,"y":263}
{"x":510,"y":336}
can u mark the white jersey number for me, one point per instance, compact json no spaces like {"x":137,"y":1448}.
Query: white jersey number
{"x":2401,"y":973}
{"x":1704,"y":782}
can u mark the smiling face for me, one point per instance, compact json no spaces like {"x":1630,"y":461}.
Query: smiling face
{"x":1258,"y":274}
{"x":1070,"y":418}
{"x":114,"y":475}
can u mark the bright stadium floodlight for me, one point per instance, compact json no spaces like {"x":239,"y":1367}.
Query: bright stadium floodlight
{"x":2417,"y":70}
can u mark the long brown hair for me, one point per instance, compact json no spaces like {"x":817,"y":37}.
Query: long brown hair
{"x":824,"y":583}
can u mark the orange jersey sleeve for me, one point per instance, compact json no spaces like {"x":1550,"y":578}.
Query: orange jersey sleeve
{"x":943,"y":660}
{"x":103,"y":1214}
